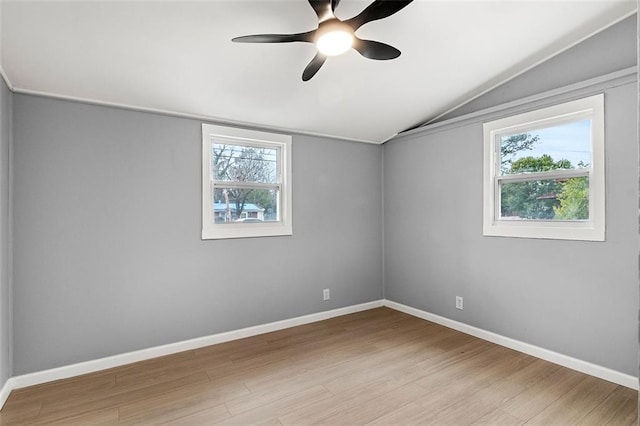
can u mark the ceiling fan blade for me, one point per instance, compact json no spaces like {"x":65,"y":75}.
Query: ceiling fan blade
{"x":323,"y":8}
{"x":334,"y":4}
{"x":275,"y":38}
{"x":375,"y":50}
{"x":379,"y":9}
{"x":313,"y":66}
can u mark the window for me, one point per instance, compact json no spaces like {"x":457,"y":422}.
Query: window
{"x":544,"y":173}
{"x":246,"y":183}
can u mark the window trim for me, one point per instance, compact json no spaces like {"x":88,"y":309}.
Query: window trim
{"x":281,"y":142}
{"x":590,"y":230}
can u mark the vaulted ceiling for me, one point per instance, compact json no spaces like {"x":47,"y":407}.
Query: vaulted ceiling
{"x":177,"y":56}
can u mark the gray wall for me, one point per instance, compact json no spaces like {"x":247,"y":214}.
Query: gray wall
{"x":608,"y":51}
{"x":107,"y":250}
{"x":6,"y":106}
{"x":572,"y":297}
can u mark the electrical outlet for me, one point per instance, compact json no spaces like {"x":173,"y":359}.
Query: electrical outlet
{"x":325,"y":294}
{"x":459,"y":302}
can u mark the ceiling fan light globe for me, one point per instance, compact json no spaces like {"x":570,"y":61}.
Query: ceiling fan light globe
{"x":334,"y":43}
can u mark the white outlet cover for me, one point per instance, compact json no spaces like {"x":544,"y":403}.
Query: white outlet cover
{"x":459,"y":302}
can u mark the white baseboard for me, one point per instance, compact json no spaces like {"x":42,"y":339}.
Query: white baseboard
{"x":5,"y":391}
{"x":554,"y":357}
{"x":144,"y":354}
{"x":78,"y":369}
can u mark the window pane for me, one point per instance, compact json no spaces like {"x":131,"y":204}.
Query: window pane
{"x":549,"y":199}
{"x":245,"y":205}
{"x":241,"y":163}
{"x":565,"y":146}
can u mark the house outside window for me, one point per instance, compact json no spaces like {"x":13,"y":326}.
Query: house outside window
{"x":249,"y":211}
{"x":544,"y":173}
{"x":246,"y":183}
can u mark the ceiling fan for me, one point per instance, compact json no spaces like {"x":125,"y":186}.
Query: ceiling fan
{"x":334,"y":36}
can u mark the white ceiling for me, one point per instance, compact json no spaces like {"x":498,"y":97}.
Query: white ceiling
{"x":177,"y":56}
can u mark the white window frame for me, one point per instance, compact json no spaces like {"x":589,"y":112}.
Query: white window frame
{"x":238,"y":136}
{"x":589,"y":230}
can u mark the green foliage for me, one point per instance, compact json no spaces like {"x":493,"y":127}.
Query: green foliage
{"x":529,"y":200}
{"x":574,"y":200}
{"x":535,"y":199}
{"x":538,"y":164}
{"x":264,"y":199}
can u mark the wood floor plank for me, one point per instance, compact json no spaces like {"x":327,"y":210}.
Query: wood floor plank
{"x":472,"y":402}
{"x":16,"y":411}
{"x":483,"y":371}
{"x":321,"y":357}
{"x":184,"y":402}
{"x":376,"y":367}
{"x":372,"y":368}
{"x":450,"y":366}
{"x":319,"y":410}
{"x":539,"y":396}
{"x":574,"y":405}
{"x":245,"y":367}
{"x":377,"y":407}
{"x":106,"y":416}
{"x":255,"y":400}
{"x":497,"y":417}
{"x":538,"y":370}
{"x":322,"y":373}
{"x":437,"y":403}
{"x":357,"y":397}
{"x":399,"y":416}
{"x":209,"y":416}
{"x":80,"y":385}
{"x":267,"y":409}
{"x":157,"y":370}
{"x":620,"y":407}
{"x":264,"y":376}
{"x":61,"y":407}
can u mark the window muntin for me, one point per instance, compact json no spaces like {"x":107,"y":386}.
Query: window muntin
{"x":246,"y":183}
{"x":544,"y":173}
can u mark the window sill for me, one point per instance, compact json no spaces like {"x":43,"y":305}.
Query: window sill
{"x":254,"y":230}
{"x":577,"y":231}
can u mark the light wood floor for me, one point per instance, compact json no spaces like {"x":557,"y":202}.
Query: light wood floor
{"x":377,"y":367}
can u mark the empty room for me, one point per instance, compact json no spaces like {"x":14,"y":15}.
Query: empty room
{"x":319,"y":212}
